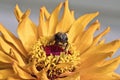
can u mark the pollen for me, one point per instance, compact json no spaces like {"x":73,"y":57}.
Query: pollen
{"x":53,"y":57}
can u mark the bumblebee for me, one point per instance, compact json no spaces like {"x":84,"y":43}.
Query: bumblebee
{"x":61,"y":39}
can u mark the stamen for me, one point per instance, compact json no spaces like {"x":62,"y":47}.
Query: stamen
{"x":53,"y":57}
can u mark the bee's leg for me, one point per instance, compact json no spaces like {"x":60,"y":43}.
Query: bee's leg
{"x":51,"y":41}
{"x":56,"y":42}
{"x":66,"y":47}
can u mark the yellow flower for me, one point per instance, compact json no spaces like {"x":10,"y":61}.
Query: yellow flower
{"x":57,"y":49}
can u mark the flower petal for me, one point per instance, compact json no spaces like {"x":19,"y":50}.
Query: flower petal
{"x":66,"y":21}
{"x":97,"y":38}
{"x":104,"y":69}
{"x":18,"y":58}
{"x":72,"y":13}
{"x":5,"y":58}
{"x":5,"y":73}
{"x":115,"y":75}
{"x":103,"y":48}
{"x":74,"y":32}
{"x":101,"y":42}
{"x":18,"y":13}
{"x":95,"y":59}
{"x":5,"y":65}
{"x":12,"y":39}
{"x":27,"y":31}
{"x":42,"y":75}
{"x":54,"y":19}
{"x":111,"y":60}
{"x":43,"y":24}
{"x":47,"y":14}
{"x":19,"y":71}
{"x":6,"y":47}
{"x":87,"y":38}
{"x":75,"y":76}
{"x":14,"y":78}
{"x":94,"y":76}
{"x":79,"y":25}
{"x":23,"y":22}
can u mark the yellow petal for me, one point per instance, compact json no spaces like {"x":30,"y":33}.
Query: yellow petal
{"x":101,"y":42}
{"x":5,"y":65}
{"x":43,"y":24}
{"x":27,"y":31}
{"x":75,"y":76}
{"x":42,"y":75}
{"x":93,"y":76}
{"x":66,"y":21}
{"x":54,"y":19}
{"x":25,"y":21}
{"x":98,"y":37}
{"x":72,"y":13}
{"x":18,"y":13}
{"x":95,"y":60}
{"x":47,"y":14}
{"x":79,"y":25}
{"x":12,"y":39}
{"x":103,"y":48}
{"x":14,"y":78}
{"x":111,"y":60}
{"x":87,"y":38}
{"x":5,"y":58}
{"x":85,"y":19}
{"x":115,"y":75}
{"x":74,"y":32}
{"x":6,"y":47}
{"x":5,"y":73}
{"x":107,"y":68}
{"x":18,"y":58}
{"x":22,"y":73}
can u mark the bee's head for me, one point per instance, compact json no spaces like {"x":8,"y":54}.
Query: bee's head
{"x":61,"y":37}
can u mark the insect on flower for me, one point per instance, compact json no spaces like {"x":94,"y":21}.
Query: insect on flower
{"x":57,"y":48}
{"x":61,"y":39}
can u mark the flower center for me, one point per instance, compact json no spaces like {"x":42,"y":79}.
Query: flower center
{"x":54,"y":57}
{"x":53,"y":49}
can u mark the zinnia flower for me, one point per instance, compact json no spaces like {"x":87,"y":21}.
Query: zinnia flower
{"x":59,"y":48}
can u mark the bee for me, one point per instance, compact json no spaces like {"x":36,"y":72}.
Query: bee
{"x":61,"y":39}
